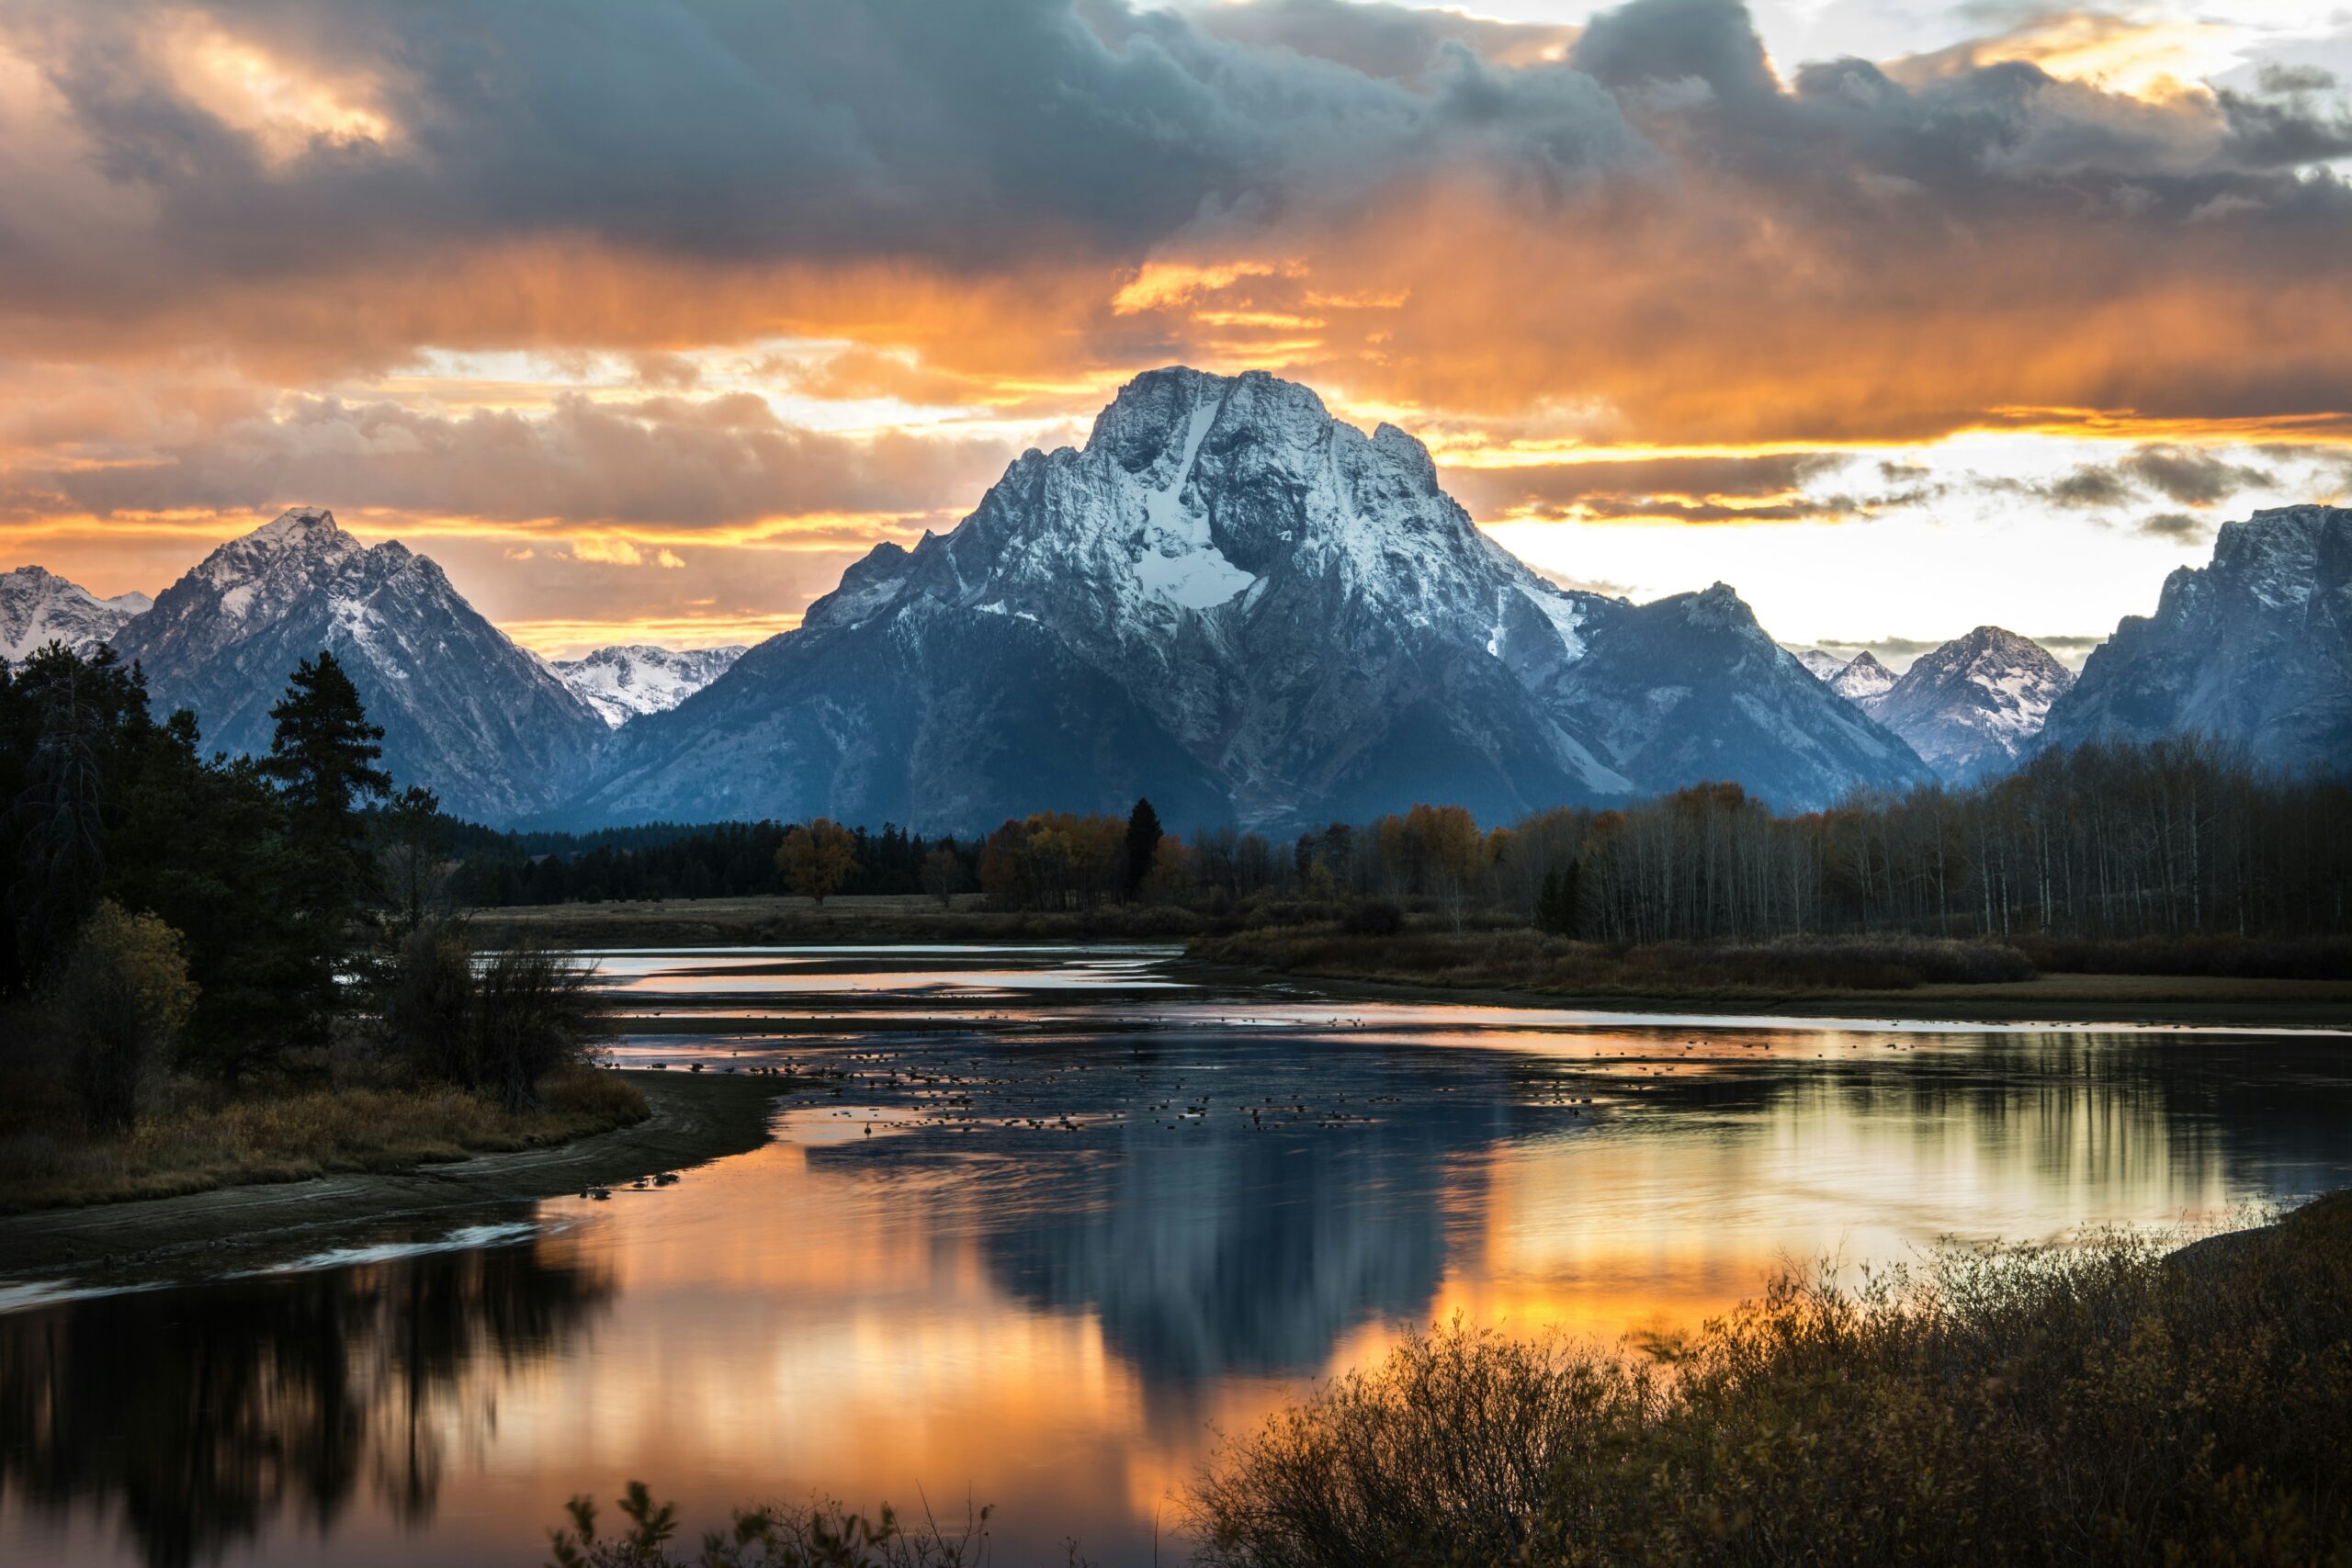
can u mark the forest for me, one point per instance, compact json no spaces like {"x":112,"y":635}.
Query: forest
{"x":2174,"y":838}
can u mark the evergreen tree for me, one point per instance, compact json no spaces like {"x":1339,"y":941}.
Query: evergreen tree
{"x":1143,"y":845}
{"x":1556,"y":905}
{"x":322,"y":758}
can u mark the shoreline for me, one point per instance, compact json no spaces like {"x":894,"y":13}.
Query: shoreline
{"x":2058,"y":1000}
{"x":696,"y":1118}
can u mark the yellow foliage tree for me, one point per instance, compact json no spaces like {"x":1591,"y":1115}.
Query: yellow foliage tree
{"x":125,"y":996}
{"x":817,"y":858}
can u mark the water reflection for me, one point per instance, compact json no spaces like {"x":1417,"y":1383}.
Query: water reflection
{"x":1061,"y":1255}
{"x":207,"y":1416}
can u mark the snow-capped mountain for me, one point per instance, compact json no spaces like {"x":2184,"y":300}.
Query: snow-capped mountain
{"x":629,"y":678}
{"x":1861,"y":679}
{"x":1973,"y":706}
{"x":2253,"y":648}
{"x":465,"y":711}
{"x":39,"y":607}
{"x":1233,"y":602}
{"x":1821,"y":666}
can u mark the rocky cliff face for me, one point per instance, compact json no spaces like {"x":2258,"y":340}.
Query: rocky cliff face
{"x":465,"y":711}
{"x":1234,"y":603}
{"x":2253,"y":648}
{"x":39,"y":607}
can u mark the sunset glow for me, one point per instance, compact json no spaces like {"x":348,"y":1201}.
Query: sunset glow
{"x":1668,"y":303}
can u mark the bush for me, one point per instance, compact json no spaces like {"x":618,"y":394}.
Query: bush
{"x":2237,"y":957}
{"x":2105,"y":1403}
{"x":536,"y":1010}
{"x":123,"y":1002}
{"x":1373,"y":916}
{"x":502,"y":1022}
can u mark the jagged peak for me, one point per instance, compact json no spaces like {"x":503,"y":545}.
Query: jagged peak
{"x":298,"y":524}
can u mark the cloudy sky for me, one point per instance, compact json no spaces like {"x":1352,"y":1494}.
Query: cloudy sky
{"x":644,"y":317}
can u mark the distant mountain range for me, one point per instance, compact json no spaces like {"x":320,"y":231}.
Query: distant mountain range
{"x":630,"y":679}
{"x":1970,"y":707}
{"x":1233,"y":602}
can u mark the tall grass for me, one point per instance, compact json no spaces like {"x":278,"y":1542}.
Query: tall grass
{"x":2100,"y":1405}
{"x":210,"y":1137}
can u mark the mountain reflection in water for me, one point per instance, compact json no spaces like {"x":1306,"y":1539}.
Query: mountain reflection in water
{"x":1087,"y":1225}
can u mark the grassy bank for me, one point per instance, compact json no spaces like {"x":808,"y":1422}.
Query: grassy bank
{"x":782,"y":920}
{"x":2204,"y":980}
{"x":212,"y":1138}
{"x":2105,"y":1404}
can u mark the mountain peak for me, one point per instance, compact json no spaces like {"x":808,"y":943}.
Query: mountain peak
{"x":1973,"y":704}
{"x":39,"y":607}
{"x":298,"y":526}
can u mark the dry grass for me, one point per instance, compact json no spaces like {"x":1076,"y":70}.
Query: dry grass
{"x":2100,"y":1405}
{"x":206,"y":1139}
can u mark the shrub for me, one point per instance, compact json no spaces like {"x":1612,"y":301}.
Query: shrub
{"x":535,"y":1010}
{"x":2043,"y":1405}
{"x":123,"y":999}
{"x":1373,"y":916}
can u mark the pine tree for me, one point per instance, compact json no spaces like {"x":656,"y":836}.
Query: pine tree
{"x":1556,"y":905}
{"x":1143,"y":845}
{"x":322,"y":758}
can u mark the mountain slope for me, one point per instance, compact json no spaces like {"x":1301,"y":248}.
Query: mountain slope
{"x":2255,"y":649}
{"x":1973,"y":706}
{"x":1234,"y":603}
{"x":629,"y":680}
{"x":465,"y":711}
{"x":39,"y":607}
{"x":1819,"y":665}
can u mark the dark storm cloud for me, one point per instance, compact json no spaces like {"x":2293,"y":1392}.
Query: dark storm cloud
{"x":1401,"y":43}
{"x":2178,"y":525}
{"x":1777,"y":487}
{"x":2185,"y":475}
{"x":972,"y":133}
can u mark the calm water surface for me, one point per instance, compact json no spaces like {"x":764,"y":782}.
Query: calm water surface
{"x":1057,"y":1217}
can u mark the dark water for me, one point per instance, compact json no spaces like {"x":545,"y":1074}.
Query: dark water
{"x":1063,"y":1217}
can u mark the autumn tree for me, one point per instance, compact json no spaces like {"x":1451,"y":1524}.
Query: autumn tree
{"x":125,"y":996}
{"x":943,"y":874}
{"x":817,"y":858}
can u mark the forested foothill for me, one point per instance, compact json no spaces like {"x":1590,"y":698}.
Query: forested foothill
{"x":231,"y":968}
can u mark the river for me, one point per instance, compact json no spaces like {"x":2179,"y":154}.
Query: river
{"x":1055,"y":1217}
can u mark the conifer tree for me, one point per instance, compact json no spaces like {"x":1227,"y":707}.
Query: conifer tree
{"x":1143,"y":844}
{"x":322,"y":758}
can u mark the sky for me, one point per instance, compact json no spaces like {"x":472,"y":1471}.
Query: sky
{"x":646,"y":317}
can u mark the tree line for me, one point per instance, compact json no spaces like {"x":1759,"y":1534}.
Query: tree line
{"x":231,"y":918}
{"x":2176,"y":837}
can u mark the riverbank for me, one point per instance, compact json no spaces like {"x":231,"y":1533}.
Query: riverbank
{"x":1497,"y":970}
{"x":690,"y":1119}
{"x":783,"y":921}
